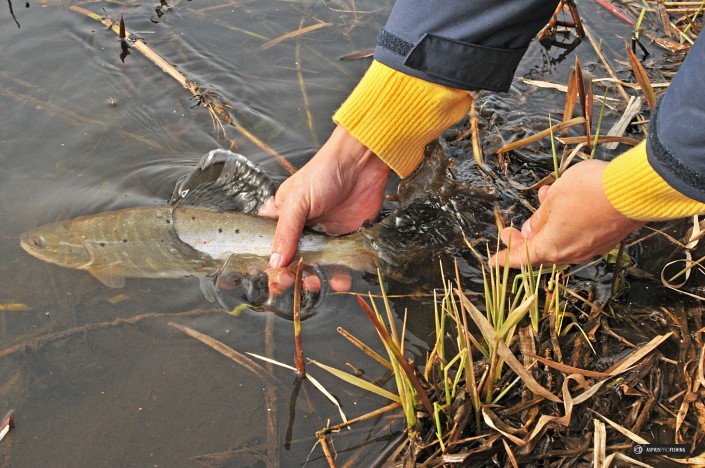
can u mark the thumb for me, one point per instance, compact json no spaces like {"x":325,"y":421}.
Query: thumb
{"x":521,"y":245}
{"x":286,"y":237}
{"x":515,"y":255}
{"x":543,"y":191}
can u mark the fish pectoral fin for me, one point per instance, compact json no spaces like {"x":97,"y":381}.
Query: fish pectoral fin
{"x":208,"y":288}
{"x":108,"y":279}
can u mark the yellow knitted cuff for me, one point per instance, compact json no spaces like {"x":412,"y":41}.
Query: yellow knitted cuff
{"x":397,"y":115}
{"x":638,"y":192}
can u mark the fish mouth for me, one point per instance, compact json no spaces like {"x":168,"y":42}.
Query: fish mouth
{"x":32,"y":243}
{"x":38,"y":246}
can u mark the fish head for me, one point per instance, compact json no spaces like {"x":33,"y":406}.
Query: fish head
{"x":59,"y":244}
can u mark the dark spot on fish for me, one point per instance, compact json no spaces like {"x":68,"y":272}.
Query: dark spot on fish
{"x":124,"y":241}
{"x":220,"y":230}
{"x":168,"y":221}
{"x":193,"y":218}
{"x":237,"y":231}
{"x":102,"y":244}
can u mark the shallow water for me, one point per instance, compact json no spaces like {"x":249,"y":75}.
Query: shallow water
{"x":82,"y":132}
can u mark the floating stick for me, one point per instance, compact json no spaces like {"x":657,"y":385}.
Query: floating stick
{"x":209,"y":100}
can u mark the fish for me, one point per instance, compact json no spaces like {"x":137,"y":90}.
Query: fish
{"x":175,"y":241}
{"x":209,"y":229}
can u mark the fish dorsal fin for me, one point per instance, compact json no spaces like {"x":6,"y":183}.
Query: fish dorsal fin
{"x":224,"y":181}
{"x":108,"y":279}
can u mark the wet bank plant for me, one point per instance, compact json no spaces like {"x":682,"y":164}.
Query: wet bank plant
{"x":506,"y":304}
{"x":454,"y":393}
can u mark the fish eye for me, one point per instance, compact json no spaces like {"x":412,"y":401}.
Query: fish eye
{"x":38,"y":241}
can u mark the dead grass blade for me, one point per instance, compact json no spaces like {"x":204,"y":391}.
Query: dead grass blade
{"x":612,"y":140}
{"x":290,"y":35}
{"x":571,"y":96}
{"x":504,"y":352}
{"x":510,"y":454}
{"x":358,"y":382}
{"x":568,"y":402}
{"x":663,"y":15}
{"x":357,"y":55}
{"x":599,"y":444}
{"x":636,"y":355}
{"x":542,"y":134}
{"x":568,"y":369}
{"x":492,"y":420}
{"x":696,"y":460}
{"x":618,"y":129}
{"x":641,"y":78}
{"x":14,"y":307}
{"x":629,"y":461}
{"x":216,"y":108}
{"x":230,"y":353}
{"x":315,"y":382}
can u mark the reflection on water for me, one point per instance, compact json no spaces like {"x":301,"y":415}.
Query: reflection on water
{"x":97,"y":375}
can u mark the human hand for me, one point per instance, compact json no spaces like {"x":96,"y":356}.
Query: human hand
{"x":338,"y":190}
{"x":574,"y":222}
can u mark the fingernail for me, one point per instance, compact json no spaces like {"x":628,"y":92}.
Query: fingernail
{"x":275,"y":261}
{"x":526,"y":230}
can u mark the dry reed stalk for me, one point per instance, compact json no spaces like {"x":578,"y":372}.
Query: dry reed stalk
{"x":364,"y":417}
{"x":299,"y":32}
{"x":391,"y":345}
{"x":606,"y":64}
{"x":618,"y":129}
{"x":299,"y":348}
{"x":326,"y":450}
{"x":542,"y":134}
{"x":213,"y":103}
{"x":304,"y":94}
{"x":228,"y":352}
{"x":365,"y":349}
{"x":615,"y":140}
{"x":37,"y":342}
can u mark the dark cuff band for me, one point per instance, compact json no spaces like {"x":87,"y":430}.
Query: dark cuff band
{"x":452,"y":63}
{"x":672,"y":169}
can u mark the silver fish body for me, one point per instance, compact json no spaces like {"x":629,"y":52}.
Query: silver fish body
{"x":173,"y":242}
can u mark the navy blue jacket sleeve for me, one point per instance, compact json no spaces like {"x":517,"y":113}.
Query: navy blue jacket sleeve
{"x":464,"y":44}
{"x":676,"y":142}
